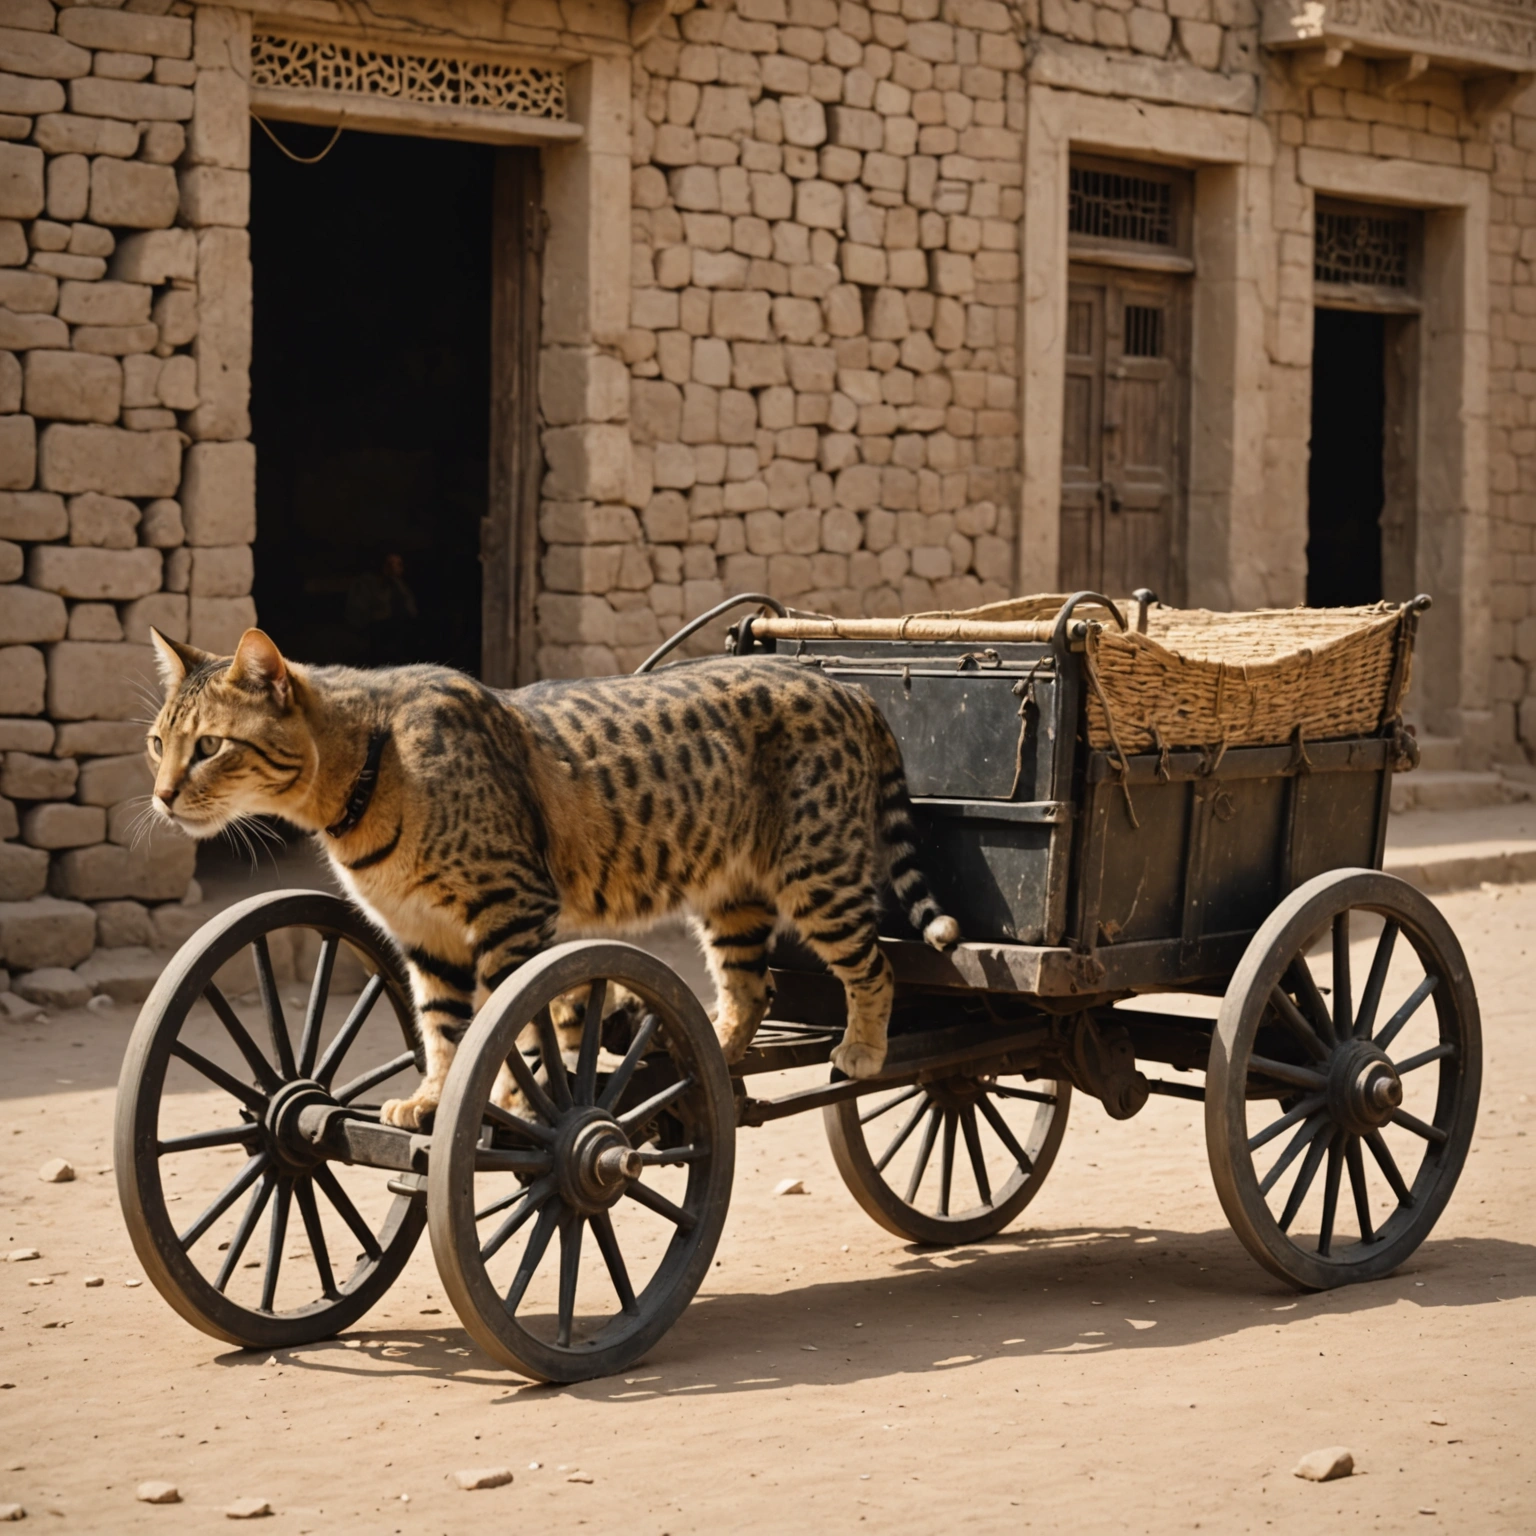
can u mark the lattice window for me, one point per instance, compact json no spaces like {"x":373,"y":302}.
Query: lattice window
{"x":302,"y":63}
{"x":1143,"y":330}
{"x":1119,"y":205}
{"x":1370,"y":248}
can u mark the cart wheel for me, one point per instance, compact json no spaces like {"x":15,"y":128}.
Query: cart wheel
{"x":1010,"y":1129}
{"x":632,"y":1136}
{"x":1385,"y":1089}
{"x":196,"y":1086}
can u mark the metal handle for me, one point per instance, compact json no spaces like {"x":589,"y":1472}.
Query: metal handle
{"x":697,"y":624}
{"x":1059,"y":634}
{"x":1145,"y":597}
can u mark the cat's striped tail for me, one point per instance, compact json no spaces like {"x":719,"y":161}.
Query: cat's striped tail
{"x":894,"y":819}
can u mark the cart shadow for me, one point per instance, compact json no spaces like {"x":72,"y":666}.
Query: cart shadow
{"x":1067,"y":1291}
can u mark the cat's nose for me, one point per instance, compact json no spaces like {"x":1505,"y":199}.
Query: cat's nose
{"x":167,"y":794}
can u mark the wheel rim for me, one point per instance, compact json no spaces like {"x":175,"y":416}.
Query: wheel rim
{"x":1344,"y":1080}
{"x":207,"y":1079}
{"x":953,"y":1160}
{"x":572,"y":1233}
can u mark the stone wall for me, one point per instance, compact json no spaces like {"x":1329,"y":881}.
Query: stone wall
{"x":127,"y":486}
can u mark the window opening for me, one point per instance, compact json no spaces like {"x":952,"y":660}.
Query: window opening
{"x":1143,"y":331}
{"x":1357,"y":247}
{"x":1119,"y":205}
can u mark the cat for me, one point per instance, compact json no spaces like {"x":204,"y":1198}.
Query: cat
{"x":471,"y":824}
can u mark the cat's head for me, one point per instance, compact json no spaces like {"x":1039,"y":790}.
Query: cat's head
{"x":230,"y":740}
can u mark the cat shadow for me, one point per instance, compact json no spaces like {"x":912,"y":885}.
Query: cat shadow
{"x":942,"y":1311}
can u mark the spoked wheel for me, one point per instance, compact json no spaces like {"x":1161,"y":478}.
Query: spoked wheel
{"x":628,"y":1140}
{"x":209,"y":1096}
{"x":951,"y":1161}
{"x":1312,"y":1073}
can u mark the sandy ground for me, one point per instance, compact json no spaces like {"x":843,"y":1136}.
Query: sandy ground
{"x":1115,"y":1362}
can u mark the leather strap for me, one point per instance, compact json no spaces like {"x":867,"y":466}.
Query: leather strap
{"x":362,"y":790}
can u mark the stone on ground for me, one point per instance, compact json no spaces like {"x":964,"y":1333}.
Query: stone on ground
{"x":12,"y":1512}
{"x":17,"y":1008}
{"x":247,"y":1509}
{"x":157,"y":1492}
{"x":1325,"y":1465}
{"x":21,"y":1255}
{"x":789,"y":1187}
{"x":57,"y":1170}
{"x":124,"y":975}
{"x":53,"y":987}
{"x":483,"y":1477}
{"x":92,"y":1281}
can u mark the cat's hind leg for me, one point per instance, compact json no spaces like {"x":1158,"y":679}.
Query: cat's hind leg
{"x":735,"y":937}
{"x":442,"y":990}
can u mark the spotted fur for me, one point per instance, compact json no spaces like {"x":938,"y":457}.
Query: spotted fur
{"x":748,"y":793}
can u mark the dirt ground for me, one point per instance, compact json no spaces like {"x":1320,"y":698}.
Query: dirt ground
{"x":1115,"y":1362}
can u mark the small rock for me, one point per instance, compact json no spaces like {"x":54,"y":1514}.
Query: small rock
{"x":1437,"y":1418}
{"x":131,"y":1283}
{"x":57,"y":1170}
{"x":53,"y":987}
{"x":483,"y":1477}
{"x":21,"y":1255}
{"x":157,"y":1492}
{"x":124,"y":975}
{"x":47,"y":1280}
{"x":16,"y":1008}
{"x":247,"y":1509}
{"x":12,"y":1512}
{"x":789,"y":1187}
{"x":101,"y":1003}
{"x":579,"y":1477}
{"x":92,"y":1281}
{"x":1325,"y":1465}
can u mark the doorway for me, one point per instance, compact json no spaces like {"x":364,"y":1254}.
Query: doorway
{"x":371,"y":385}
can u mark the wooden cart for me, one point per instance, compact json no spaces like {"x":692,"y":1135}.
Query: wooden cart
{"x":1160,"y":836}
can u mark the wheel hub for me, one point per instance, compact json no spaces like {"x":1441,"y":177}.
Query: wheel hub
{"x":286,"y":1142}
{"x":595,"y":1161}
{"x":1363,"y":1087}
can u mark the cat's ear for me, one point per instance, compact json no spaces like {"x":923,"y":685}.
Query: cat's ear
{"x":259,"y":664}
{"x":175,"y":659}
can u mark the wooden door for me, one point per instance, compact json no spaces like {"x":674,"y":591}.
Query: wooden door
{"x":1123,"y":433}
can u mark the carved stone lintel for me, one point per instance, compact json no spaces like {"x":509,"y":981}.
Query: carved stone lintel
{"x":1493,"y":93}
{"x":1467,"y":36}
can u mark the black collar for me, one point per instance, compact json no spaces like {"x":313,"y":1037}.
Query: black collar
{"x":362,"y":791}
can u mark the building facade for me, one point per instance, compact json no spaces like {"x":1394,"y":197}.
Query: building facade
{"x":516,"y":333}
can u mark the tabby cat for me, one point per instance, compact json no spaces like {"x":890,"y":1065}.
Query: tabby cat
{"x":472,"y":825}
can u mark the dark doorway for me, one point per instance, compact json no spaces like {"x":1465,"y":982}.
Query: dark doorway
{"x":370,"y":382}
{"x":1346,"y":483}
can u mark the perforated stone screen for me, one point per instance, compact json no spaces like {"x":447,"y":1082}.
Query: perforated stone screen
{"x":1373,"y":249}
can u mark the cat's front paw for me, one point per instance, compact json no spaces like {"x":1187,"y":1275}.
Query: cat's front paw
{"x":409,"y":1113}
{"x":855,"y":1060}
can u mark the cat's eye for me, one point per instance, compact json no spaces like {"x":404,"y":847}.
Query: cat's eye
{"x":156,"y":746}
{"x":208,"y":745}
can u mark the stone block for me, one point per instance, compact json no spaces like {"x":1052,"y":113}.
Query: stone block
{"x":73,"y":386}
{"x":110,"y":460}
{"x":10,"y":826}
{"x":23,"y":873}
{"x":122,"y":924}
{"x":104,"y":303}
{"x":221,"y":571}
{"x":32,"y":515}
{"x":218,"y":493}
{"x":89,"y":680}
{"x":165,"y":611}
{"x":157,"y":870}
{"x":53,"y":987}
{"x":587,"y":462}
{"x":212,"y":195}
{"x":805,"y":121}
{"x":99,"y":738}
{"x":127,"y":32}
{"x":108,"y":781}
{"x":23,"y":679}
{"x":156,"y":256}
{"x":20,"y":333}
{"x":221,"y":121}
{"x":44,"y":931}
{"x":115,"y":340}
{"x":26,"y":776}
{"x":133,"y":195}
{"x":178,"y":382}
{"x":173,"y":923}
{"x":223,"y":345}
{"x":59,"y":825}
{"x":26,"y":736}
{"x":126,"y":975}
{"x":94,"y":621}
{"x":216,"y":623}
{"x":103,"y":522}
{"x":29,"y":293}
{"x":29,"y":97}
{"x":130,"y":100}
{"x":18,"y":452}
{"x":10,"y":382}
{"x":12,"y":561}
{"x":62,"y":133}
{"x":116,"y":575}
{"x":41,"y":55}
{"x":68,"y":187}
{"x":28,"y":615}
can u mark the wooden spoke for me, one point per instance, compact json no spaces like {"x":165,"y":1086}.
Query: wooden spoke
{"x":1005,"y":1134}
{"x":973,"y":1149}
{"x":613,"y":1089}
{"x":654,"y":1105}
{"x":644,"y":1195}
{"x":227,"y":1136}
{"x":591,"y":1041}
{"x":272,"y":1006}
{"x":1291,"y":1016}
{"x":532,"y":1089}
{"x":1313,"y":1007}
{"x":350,"y":1029}
{"x":259,"y":1065}
{"x":947,"y":1161}
{"x":310,"y":1211}
{"x":375,"y":1075}
{"x":1032,"y":1094}
{"x":1381,"y":962}
{"x":1343,"y":1006}
{"x":1383,"y":1155}
{"x":231,"y":1192}
{"x":671,"y":1155}
{"x":314,"y":1015}
{"x":216,"y":1074}
{"x":533,"y":1198}
{"x":900,"y":1138}
{"x":248,"y":1219}
{"x":1442,"y":1052}
{"x":538,"y":1244}
{"x":1297,"y":1112}
{"x":1394,"y":1026}
{"x":539,"y":1135}
{"x":344,"y":1208}
{"x":510,"y":1160}
{"x":1309,"y":1166}
{"x":1335,"y":1170}
{"x":608,"y":1245}
{"x":1361,"y":1191}
{"x":571,"y":1229}
{"x":555,"y":1077}
{"x":1284,"y":1072}
{"x":1293,"y":1148}
{"x":891,"y":1103}
{"x":924,"y":1152}
{"x":1419,"y":1127}
{"x":277,"y":1235}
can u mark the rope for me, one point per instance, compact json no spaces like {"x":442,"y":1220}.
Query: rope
{"x":1120,"y":761}
{"x":301,"y":159}
{"x":1164,"y":769}
{"x":1300,"y":762}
